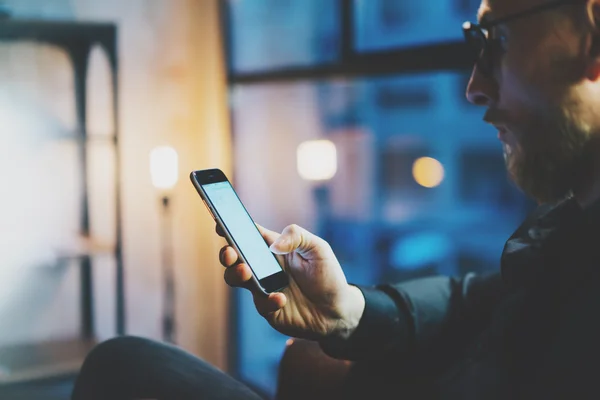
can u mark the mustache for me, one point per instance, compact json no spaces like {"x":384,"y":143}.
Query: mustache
{"x":495,"y":116}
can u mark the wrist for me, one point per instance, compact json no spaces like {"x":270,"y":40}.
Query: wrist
{"x":354,"y":306}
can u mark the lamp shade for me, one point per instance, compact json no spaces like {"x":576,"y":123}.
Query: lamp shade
{"x":164,"y":168}
{"x":317,"y":160}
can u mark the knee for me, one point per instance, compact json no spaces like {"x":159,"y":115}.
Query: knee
{"x":123,"y":344}
{"x":116,"y":352}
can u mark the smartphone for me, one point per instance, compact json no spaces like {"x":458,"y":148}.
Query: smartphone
{"x":240,"y":230}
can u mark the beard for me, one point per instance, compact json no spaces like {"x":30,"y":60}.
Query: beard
{"x":550,"y":160}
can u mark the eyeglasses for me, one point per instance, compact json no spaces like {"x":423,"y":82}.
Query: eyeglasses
{"x":486,"y":50}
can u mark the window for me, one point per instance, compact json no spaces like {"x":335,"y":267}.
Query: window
{"x":383,"y":221}
{"x":384,"y":24}
{"x":484,"y":180}
{"x":390,"y":97}
{"x":397,"y":174}
{"x":466,"y":8}
{"x":339,"y":104}
{"x":373,"y":209}
{"x":268,"y":34}
{"x":394,"y":14}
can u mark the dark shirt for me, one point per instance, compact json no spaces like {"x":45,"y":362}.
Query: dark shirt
{"x":530,"y":331}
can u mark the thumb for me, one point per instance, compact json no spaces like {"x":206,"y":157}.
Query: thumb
{"x":268,"y":236}
{"x":294,"y":238}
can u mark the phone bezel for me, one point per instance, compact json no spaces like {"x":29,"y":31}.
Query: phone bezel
{"x":266,"y":285}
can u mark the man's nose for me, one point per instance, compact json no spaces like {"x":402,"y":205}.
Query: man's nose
{"x":482,"y":90}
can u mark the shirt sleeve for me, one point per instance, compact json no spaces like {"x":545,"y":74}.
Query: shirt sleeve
{"x":420,"y":321}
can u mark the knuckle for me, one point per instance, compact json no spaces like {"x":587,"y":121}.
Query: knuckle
{"x":324,"y":244}
{"x":294,"y":229}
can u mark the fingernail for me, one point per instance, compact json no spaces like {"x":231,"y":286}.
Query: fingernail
{"x":279,"y":245}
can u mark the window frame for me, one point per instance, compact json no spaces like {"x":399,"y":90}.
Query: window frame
{"x":442,"y":56}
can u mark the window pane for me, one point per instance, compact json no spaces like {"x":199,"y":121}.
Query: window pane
{"x":390,"y":134}
{"x":41,"y":208}
{"x":268,"y":34}
{"x":382,"y":24}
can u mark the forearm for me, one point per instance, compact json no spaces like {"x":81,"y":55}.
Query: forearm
{"x":411,"y":319}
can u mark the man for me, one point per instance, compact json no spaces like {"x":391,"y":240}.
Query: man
{"x":530,"y":332}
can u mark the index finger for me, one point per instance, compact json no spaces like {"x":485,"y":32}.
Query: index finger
{"x":219,"y":230}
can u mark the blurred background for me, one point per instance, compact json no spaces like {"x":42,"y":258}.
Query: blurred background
{"x":347,"y":117}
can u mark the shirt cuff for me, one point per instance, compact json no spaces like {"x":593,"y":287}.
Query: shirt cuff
{"x":382,"y":329}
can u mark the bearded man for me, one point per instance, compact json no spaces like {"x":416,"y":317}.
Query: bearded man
{"x":531,"y":331}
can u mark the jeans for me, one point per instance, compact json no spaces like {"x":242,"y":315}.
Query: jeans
{"x":128,"y":368}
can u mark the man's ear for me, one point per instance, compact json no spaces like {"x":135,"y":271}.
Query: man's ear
{"x":593,"y":17}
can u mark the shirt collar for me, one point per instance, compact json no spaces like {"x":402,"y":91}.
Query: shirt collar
{"x":536,"y":253}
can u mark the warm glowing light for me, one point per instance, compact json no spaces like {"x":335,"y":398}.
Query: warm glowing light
{"x":428,"y":172}
{"x":317,"y":160}
{"x":164,"y":169}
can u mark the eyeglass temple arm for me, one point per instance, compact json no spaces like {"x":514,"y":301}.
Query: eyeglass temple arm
{"x":522,"y":14}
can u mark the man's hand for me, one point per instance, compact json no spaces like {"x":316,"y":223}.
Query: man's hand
{"x":318,"y":302}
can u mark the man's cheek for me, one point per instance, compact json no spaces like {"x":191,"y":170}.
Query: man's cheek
{"x":523,"y":99}
{"x":523,"y":81}
{"x":514,"y":99}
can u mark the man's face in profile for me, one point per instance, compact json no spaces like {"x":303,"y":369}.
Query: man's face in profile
{"x":533,"y":95}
